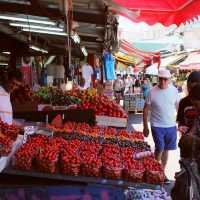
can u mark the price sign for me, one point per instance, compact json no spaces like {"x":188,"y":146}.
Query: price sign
{"x":28,"y":130}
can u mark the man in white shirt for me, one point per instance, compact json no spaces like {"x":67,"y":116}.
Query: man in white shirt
{"x":162,"y":103}
{"x":87,"y":72}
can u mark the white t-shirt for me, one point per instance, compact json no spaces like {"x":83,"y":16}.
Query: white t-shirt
{"x":163,"y":104}
{"x":6,"y":114}
{"x":128,"y":83}
{"x":87,"y":72}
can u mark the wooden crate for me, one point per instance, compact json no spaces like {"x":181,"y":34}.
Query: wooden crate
{"x":25,"y":107}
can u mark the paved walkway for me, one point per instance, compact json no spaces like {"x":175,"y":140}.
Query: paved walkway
{"x":135,"y":122}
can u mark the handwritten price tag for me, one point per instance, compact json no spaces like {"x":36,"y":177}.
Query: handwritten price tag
{"x":28,"y":130}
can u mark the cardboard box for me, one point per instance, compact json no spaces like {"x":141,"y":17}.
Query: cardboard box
{"x":42,"y":106}
{"x":111,"y":121}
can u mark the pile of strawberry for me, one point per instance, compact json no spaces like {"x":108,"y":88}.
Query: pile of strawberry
{"x":154,"y":171}
{"x":48,"y":156}
{"x":130,"y":136}
{"x":90,"y":159}
{"x":70,"y":160}
{"x":112,"y":162}
{"x":27,"y":153}
{"x":102,"y":105}
{"x":133,"y":169}
{"x":8,"y":134}
{"x":5,"y":146}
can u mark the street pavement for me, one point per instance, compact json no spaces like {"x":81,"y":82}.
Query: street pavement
{"x":135,"y":122}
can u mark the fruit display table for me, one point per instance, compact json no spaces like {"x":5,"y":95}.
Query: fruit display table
{"x":76,"y":179}
{"x":76,"y":115}
{"x":75,"y":157}
{"x":23,"y":187}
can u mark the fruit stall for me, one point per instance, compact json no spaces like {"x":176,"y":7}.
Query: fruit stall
{"x":82,"y":154}
{"x":70,"y":149}
{"x":75,"y":105}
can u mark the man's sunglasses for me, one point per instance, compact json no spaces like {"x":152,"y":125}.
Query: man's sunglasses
{"x":164,"y":79}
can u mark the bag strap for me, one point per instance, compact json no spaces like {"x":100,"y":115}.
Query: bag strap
{"x":193,"y":147}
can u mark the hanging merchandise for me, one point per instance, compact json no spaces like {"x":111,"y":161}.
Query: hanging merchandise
{"x":27,"y":72}
{"x":109,"y":66}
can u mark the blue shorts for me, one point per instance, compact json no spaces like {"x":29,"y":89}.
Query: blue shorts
{"x":164,"y":138}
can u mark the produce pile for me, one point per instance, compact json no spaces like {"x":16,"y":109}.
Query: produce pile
{"x":83,"y":131}
{"x":22,"y":93}
{"x":56,"y":97}
{"x":8,"y":134}
{"x":103,"y":105}
{"x":83,"y":94}
{"x":79,"y":149}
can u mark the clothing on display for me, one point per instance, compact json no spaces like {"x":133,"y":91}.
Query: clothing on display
{"x":109,"y":66}
{"x":27,"y":74}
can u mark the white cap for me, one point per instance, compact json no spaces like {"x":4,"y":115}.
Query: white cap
{"x":164,"y":73}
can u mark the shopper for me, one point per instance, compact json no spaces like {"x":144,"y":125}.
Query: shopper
{"x":145,"y":88}
{"x":128,"y":84}
{"x":162,"y":102}
{"x":87,"y":73}
{"x":118,"y":88}
{"x":186,"y":110}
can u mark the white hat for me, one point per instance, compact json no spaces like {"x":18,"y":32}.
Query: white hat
{"x":164,"y":73}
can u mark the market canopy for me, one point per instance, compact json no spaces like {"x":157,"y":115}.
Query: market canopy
{"x":147,"y":57}
{"x":166,"y":12}
{"x":192,"y":62}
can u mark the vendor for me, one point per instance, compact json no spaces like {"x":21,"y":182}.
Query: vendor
{"x":6,"y":114}
{"x":8,"y":82}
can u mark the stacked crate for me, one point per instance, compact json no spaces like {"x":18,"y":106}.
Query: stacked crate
{"x":133,"y":102}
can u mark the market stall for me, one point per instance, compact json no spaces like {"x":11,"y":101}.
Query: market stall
{"x":78,"y":154}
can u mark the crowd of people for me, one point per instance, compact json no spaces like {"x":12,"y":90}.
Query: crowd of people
{"x":129,"y":84}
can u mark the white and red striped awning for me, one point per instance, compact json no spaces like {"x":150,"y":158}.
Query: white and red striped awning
{"x":147,"y":57}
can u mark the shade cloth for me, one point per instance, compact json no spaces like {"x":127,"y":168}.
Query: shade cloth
{"x":166,"y":12}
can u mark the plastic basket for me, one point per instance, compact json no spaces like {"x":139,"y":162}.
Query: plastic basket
{"x":90,"y":171}
{"x":154,"y":177}
{"x":133,"y":175}
{"x":112,"y":173}
{"x":70,"y":169}
{"x":47,"y":166}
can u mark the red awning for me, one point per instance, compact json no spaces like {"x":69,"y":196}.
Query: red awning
{"x":147,"y":57}
{"x":166,"y":12}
